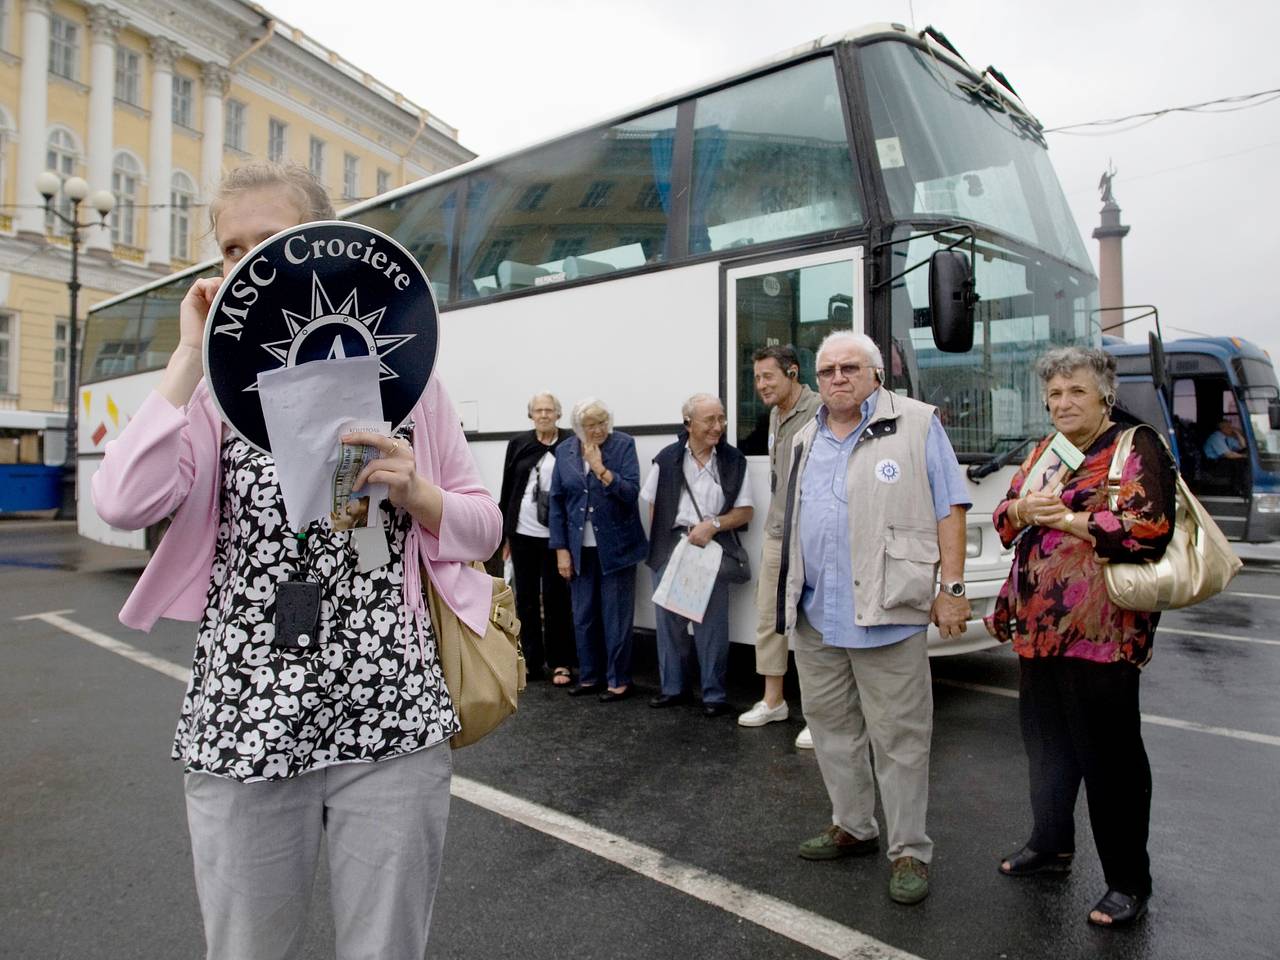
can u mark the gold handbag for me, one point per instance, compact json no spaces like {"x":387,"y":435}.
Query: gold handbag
{"x":1197,"y":563}
{"x":484,"y":674}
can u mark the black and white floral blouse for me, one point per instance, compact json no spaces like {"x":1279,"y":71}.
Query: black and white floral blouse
{"x":369,"y":689}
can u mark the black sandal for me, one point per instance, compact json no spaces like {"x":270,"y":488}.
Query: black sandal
{"x":1027,"y":863}
{"x":1120,"y":907}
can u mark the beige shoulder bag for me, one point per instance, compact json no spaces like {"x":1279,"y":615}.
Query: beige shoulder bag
{"x":1197,"y":563}
{"x":485,"y":674}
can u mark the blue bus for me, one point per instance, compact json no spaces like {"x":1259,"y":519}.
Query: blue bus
{"x":1208,"y":395}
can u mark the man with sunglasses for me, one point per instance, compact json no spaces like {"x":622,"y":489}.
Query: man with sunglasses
{"x":876,"y":504}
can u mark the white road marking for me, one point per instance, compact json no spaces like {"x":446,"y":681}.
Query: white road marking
{"x":1151,"y":718}
{"x":1254,"y":596}
{"x":802,"y":926}
{"x":1215,"y":636}
{"x":57,"y":619}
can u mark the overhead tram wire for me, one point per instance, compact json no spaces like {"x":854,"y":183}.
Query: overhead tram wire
{"x":1234,"y":104}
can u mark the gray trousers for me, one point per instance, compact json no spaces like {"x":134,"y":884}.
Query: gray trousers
{"x":256,"y":846}
{"x":882,"y":695}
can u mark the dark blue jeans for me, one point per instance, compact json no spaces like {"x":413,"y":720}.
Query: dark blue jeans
{"x":603,"y":610}
{"x":710,"y":639}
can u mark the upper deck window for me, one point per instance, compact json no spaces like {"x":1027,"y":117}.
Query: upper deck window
{"x":945,"y":153}
{"x":771,"y":160}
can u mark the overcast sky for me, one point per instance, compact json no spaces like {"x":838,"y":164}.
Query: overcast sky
{"x":1201,"y":192}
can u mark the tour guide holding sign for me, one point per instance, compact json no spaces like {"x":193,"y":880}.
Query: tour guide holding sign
{"x":330,"y":717}
{"x":690,"y":484}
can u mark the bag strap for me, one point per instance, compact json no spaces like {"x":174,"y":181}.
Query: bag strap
{"x":684,"y":482}
{"x":1115,"y":473}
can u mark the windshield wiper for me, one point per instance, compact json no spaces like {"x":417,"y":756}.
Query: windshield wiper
{"x":976,"y":471}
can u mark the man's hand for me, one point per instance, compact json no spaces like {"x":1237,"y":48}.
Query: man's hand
{"x":949,"y":614}
{"x":701,"y":535}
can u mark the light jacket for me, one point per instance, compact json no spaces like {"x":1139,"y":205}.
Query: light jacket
{"x":614,"y":513}
{"x":893,"y":531}
{"x":167,"y":463}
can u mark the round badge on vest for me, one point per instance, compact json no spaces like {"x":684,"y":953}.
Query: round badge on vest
{"x":320,"y":291}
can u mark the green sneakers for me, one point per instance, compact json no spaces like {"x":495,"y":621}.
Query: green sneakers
{"x":909,"y":881}
{"x":834,"y":843}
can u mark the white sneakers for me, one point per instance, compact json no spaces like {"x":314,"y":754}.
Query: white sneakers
{"x":761,"y":713}
{"x":804,"y":739}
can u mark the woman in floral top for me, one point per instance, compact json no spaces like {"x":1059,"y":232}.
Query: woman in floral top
{"x":340,"y":736}
{"x":1080,"y":655}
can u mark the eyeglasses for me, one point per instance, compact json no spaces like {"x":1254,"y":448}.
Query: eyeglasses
{"x":847,"y":370}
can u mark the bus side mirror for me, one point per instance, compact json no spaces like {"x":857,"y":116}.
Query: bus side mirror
{"x":1273,"y":413}
{"x":951,"y":301}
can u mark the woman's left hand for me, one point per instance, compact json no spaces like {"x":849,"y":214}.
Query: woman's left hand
{"x":394,"y":467}
{"x":1043,"y":509}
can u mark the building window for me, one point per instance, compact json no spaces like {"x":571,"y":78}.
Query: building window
{"x":233,"y":131}
{"x":384,"y":181}
{"x":183,"y":96}
{"x":6,"y":353}
{"x":60,"y":326}
{"x":597,"y":194}
{"x":568,"y":247}
{"x":128,"y":76}
{"x":276,"y":131}
{"x":64,"y":48}
{"x":350,"y":176}
{"x":315,"y":158}
{"x":60,"y":157}
{"x":181,"y":196}
{"x":533,"y":196}
{"x":126,"y":176}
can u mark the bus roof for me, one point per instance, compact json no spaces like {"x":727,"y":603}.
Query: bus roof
{"x":1223,"y":348}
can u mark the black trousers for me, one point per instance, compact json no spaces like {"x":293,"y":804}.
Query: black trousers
{"x":542,"y":604}
{"x":1080,"y":721}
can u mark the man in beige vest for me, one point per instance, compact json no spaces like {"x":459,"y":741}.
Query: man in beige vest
{"x":791,"y":405}
{"x":876,"y":503}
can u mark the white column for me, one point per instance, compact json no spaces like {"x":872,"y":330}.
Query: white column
{"x":104,"y":24}
{"x":33,"y":113}
{"x":160,"y":176}
{"x":216,"y":82}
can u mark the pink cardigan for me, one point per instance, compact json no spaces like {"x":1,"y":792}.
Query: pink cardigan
{"x":167,"y":462}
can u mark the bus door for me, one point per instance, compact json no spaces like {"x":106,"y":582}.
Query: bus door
{"x":794,"y":300}
{"x":1203,"y":397}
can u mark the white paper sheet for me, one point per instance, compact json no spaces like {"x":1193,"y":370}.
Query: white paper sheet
{"x":689,"y":578}
{"x":307,"y":408}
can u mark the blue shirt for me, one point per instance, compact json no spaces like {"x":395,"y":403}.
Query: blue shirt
{"x":827,"y":599}
{"x":1219,"y":445}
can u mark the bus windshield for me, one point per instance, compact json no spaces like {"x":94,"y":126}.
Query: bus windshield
{"x":1261,"y":397}
{"x":944,"y":152}
{"x":989,"y":399}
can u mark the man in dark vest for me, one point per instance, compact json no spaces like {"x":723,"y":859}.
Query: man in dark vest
{"x":697,"y":488}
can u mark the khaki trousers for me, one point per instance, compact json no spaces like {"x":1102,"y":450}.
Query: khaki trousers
{"x":771,"y":647}
{"x":881,"y":695}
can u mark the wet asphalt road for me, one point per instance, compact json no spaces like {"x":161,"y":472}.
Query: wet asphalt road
{"x":94,"y":861}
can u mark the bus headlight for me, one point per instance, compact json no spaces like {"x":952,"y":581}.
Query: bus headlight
{"x":1267,"y":502}
{"x":973,"y":540}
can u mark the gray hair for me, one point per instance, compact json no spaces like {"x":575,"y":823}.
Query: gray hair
{"x":859,"y":341}
{"x":687,"y":408}
{"x":1064,"y":361}
{"x":550,"y":396}
{"x":586,"y":406}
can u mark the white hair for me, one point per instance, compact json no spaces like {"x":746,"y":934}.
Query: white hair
{"x":687,"y":408}
{"x":860,"y":342}
{"x":585,"y":406}
{"x":538,"y":396}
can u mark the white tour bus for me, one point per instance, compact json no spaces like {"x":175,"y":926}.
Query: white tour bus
{"x":645,"y":258}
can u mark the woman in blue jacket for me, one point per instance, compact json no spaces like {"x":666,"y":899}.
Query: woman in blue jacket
{"x":596,"y":533}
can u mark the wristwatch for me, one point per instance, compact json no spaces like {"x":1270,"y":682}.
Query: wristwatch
{"x":715,"y":522}
{"x":954,"y":589}
{"x":1069,"y":519}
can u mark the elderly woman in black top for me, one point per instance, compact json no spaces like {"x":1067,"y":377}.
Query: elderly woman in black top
{"x":542,"y":598}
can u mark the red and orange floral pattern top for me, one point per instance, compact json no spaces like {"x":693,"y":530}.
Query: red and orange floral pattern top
{"x":1055,"y":602}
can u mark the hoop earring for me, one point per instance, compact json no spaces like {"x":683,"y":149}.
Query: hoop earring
{"x":1109,"y":400}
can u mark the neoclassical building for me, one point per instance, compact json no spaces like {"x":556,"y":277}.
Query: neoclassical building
{"x":154,"y":99}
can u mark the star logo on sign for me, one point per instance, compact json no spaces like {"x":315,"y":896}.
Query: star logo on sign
{"x":333,"y":333}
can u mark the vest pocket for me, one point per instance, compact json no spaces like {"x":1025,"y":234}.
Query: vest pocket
{"x":910,"y":569}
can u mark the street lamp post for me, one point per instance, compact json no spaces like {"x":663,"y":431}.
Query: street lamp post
{"x":103,"y":201}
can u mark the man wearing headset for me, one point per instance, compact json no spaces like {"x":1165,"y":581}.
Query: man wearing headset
{"x":791,"y":405}
{"x":876,"y":504}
